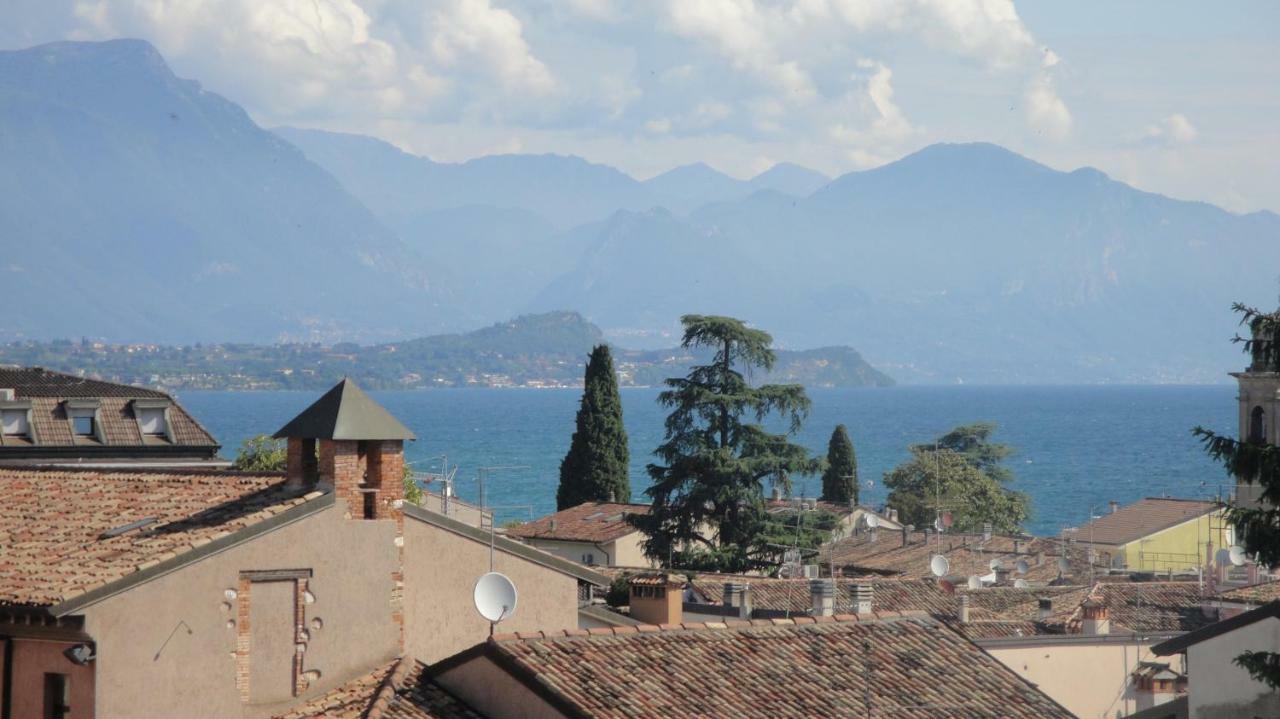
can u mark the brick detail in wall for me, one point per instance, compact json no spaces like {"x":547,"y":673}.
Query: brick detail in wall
{"x":301,"y":466}
{"x":242,"y":637}
{"x":299,"y":635}
{"x":244,"y":656}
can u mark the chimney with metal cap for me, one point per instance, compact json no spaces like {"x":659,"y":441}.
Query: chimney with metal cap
{"x":823,"y":594}
{"x":1115,"y":506}
{"x":964,"y":608}
{"x":863,"y":596}
{"x":906,"y":534}
{"x":737,"y":596}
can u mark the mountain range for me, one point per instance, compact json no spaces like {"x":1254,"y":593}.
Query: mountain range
{"x":135,"y":205}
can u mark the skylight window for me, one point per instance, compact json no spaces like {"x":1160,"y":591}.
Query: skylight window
{"x":13,"y":423}
{"x":83,"y":423}
{"x":152,"y":423}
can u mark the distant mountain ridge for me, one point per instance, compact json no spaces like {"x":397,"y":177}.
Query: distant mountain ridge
{"x":544,"y":350}
{"x":148,"y":209}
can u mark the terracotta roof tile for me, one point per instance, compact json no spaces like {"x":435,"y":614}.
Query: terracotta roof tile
{"x":1147,"y":607}
{"x":909,"y":667}
{"x":587,"y":522}
{"x":1259,"y":594}
{"x":792,"y":595}
{"x":40,"y":382}
{"x":1133,"y":521}
{"x":968,"y":554}
{"x":399,"y":690}
{"x":53,"y":522}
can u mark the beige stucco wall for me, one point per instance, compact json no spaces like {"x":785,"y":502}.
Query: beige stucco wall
{"x":440,"y":571}
{"x":164,"y":647}
{"x":626,"y":551}
{"x":1218,"y":689}
{"x":1090,"y":679}
{"x":494,"y":693}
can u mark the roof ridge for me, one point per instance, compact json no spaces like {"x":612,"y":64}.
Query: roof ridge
{"x":385,"y":694}
{"x":106,"y":469}
{"x":726,"y":625}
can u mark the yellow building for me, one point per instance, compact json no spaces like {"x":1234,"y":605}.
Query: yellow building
{"x":1158,"y":534}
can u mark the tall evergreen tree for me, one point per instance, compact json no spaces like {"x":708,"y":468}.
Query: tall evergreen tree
{"x":708,"y":507}
{"x":596,"y":468}
{"x":840,"y":479}
{"x":1257,"y":528}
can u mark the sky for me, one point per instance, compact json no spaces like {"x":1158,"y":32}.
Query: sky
{"x":1179,"y":98}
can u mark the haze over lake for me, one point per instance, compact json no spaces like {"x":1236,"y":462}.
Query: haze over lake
{"x":1075,"y":447}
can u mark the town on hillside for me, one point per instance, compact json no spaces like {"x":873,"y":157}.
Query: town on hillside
{"x":314,"y":574}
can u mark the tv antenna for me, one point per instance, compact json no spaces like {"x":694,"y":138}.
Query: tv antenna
{"x":480,"y":474}
{"x":495,"y":598}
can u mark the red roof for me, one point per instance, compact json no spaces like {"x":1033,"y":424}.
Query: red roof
{"x":588,"y":522}
{"x":1142,"y":518}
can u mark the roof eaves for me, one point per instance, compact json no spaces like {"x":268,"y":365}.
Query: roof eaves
{"x":509,"y":546}
{"x":1180,"y":643}
{"x":82,"y":601}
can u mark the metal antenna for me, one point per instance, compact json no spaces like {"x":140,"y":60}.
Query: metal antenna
{"x":480,"y":474}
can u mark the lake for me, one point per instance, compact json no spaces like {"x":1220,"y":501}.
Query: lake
{"x":1075,"y":447}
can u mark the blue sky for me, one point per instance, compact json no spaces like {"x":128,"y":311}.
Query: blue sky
{"x":1174,"y":97}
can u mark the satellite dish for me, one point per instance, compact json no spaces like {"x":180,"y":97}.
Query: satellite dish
{"x":994,"y":565}
{"x":1222,"y":557}
{"x":1020,"y":584}
{"x":1064,"y":565}
{"x":872,"y":521}
{"x":937,"y":524}
{"x":1236,"y":555}
{"x":975,"y":582}
{"x":939,"y":565}
{"x":495,"y":596}
{"x":1022,"y":566}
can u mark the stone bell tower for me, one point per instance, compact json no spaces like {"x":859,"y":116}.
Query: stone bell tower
{"x":1259,"y":402}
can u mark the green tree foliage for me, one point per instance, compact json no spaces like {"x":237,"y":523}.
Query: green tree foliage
{"x":840,"y":479}
{"x":412,"y":492}
{"x":963,"y":472}
{"x":596,"y":467}
{"x":261,"y":454}
{"x":1257,"y":528}
{"x":708,"y":508}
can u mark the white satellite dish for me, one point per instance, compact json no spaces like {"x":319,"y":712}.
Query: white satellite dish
{"x":1022,"y":566}
{"x":975,"y":582}
{"x":872,"y":521}
{"x":1020,"y":584}
{"x":1236,"y":555}
{"x":495,"y":596}
{"x":994,"y":565}
{"x":939,"y":565}
{"x":1064,"y":565}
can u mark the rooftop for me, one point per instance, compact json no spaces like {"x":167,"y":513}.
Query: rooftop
{"x":1257,"y":594}
{"x":345,"y":412}
{"x":70,"y":531}
{"x":587,"y":522}
{"x":40,"y":382}
{"x":896,"y":665}
{"x":398,"y":690}
{"x":1142,"y":518}
{"x":1149,"y":607}
{"x":885,"y":553}
{"x":783,"y":595}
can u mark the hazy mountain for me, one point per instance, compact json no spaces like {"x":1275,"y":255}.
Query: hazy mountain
{"x":789,"y":179}
{"x":690,"y":186}
{"x":135,"y":205}
{"x":565,"y":190}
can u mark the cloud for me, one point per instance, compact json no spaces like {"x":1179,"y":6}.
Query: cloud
{"x":475,"y":33}
{"x":1175,"y":129}
{"x":1045,"y":111}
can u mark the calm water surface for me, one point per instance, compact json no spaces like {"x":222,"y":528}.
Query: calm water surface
{"x":1075,"y":447}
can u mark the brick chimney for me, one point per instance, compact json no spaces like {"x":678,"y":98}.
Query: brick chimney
{"x":657,"y":598}
{"x":1096,"y":620}
{"x":737,"y":596}
{"x":822,"y":592}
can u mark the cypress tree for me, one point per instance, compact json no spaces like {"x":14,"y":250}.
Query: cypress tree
{"x":596,"y":466}
{"x":840,"y":480}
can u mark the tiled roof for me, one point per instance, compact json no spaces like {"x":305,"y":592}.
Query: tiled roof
{"x":1260,"y":593}
{"x":968,"y":554}
{"x":783,"y":505}
{"x":587,"y":522}
{"x":40,"y":382}
{"x":782,"y":595}
{"x":399,"y":690}
{"x":1137,"y":520}
{"x":52,"y":523}
{"x":1148,"y":607}
{"x":902,"y":666}
{"x":118,"y":424}
{"x":1011,"y":603}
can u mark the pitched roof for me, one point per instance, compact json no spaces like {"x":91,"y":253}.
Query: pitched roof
{"x":1260,"y":593}
{"x":66,"y":532}
{"x":1142,"y":518}
{"x":908,"y":666}
{"x":1216,"y":629}
{"x":398,"y":690}
{"x":1148,"y":607}
{"x":968,"y":554}
{"x":40,"y":382}
{"x":792,"y":595}
{"x":345,"y":412}
{"x":587,"y":522}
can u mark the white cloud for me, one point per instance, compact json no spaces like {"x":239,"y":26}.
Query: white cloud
{"x":1175,"y":129}
{"x":474,"y":32}
{"x":1045,"y":111}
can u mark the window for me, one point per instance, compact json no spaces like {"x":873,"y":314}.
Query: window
{"x":13,"y":423}
{"x":83,"y":423}
{"x":589,"y":559}
{"x":370,"y":505}
{"x":151,"y":422}
{"x":1257,"y":426}
{"x":57,"y":696}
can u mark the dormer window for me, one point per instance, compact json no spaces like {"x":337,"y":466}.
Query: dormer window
{"x":15,"y":421}
{"x":83,"y":423}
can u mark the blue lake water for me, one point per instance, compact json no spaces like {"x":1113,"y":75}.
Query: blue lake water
{"x":1075,"y":447}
